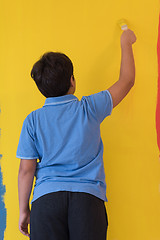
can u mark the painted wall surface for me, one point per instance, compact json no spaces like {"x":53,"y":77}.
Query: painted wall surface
{"x":158,"y":91}
{"x":88,"y":33}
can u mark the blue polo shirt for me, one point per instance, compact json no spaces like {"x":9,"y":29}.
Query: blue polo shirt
{"x":65,"y":136}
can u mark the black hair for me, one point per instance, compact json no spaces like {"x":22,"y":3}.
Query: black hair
{"x":52,"y":74}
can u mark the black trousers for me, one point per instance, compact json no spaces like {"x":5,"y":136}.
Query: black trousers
{"x":67,"y":215}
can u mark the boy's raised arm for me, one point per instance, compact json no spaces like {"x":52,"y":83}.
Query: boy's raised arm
{"x":25,"y":181}
{"x":127,"y":72}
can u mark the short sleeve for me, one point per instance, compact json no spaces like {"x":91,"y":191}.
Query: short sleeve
{"x":26,"y":147}
{"x":101,"y":104}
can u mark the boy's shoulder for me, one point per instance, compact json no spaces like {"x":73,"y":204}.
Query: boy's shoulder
{"x":32,"y":114}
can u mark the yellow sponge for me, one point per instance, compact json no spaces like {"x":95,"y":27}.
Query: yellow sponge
{"x":123,"y":24}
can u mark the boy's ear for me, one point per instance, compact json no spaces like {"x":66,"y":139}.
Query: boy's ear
{"x":72,"y":80}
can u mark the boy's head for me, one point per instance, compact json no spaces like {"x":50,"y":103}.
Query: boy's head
{"x":53,"y":75}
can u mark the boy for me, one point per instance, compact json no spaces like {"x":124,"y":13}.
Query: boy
{"x":70,"y":189}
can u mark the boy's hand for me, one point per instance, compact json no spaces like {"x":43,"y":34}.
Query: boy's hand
{"x":128,"y":38}
{"x":24,"y":220}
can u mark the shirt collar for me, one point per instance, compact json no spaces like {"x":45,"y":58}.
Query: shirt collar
{"x":60,"y":100}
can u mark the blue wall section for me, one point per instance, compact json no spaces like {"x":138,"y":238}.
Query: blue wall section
{"x":2,"y":207}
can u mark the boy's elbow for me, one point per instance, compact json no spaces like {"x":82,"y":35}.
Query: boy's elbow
{"x":132,"y":82}
{"x":133,"y":79}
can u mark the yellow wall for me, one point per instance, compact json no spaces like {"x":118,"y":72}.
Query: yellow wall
{"x":87,"y":32}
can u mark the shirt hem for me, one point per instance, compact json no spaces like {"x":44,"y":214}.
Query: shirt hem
{"x":42,"y":190}
{"x":111,"y":101}
{"x":27,"y":157}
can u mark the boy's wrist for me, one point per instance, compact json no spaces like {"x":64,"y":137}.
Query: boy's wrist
{"x":125,"y":45}
{"x":24,"y":210}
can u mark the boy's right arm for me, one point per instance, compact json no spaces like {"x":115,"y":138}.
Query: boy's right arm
{"x":127,"y":72}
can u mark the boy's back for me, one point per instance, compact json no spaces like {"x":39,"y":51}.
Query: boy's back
{"x":65,"y":136}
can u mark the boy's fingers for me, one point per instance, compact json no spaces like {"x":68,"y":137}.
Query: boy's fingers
{"x":24,"y":222}
{"x":24,"y":231}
